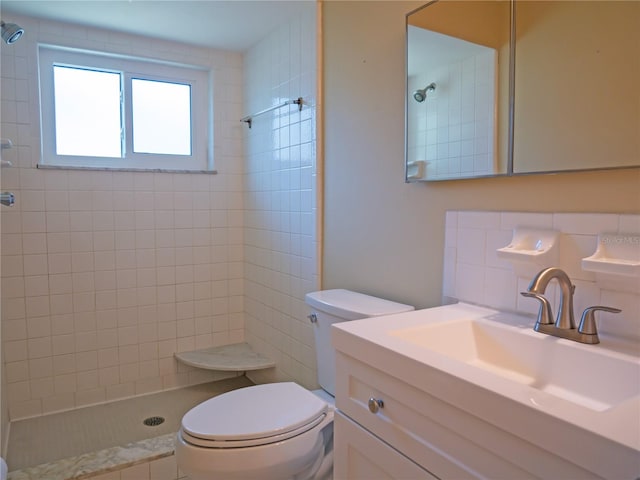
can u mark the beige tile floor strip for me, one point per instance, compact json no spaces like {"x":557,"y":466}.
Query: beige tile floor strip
{"x":50,"y":438}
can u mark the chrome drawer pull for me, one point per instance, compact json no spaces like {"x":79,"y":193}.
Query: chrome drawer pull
{"x":375,"y":404}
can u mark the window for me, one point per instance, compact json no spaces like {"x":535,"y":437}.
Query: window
{"x":161,"y":116}
{"x":107,"y":111}
{"x":87,"y":112}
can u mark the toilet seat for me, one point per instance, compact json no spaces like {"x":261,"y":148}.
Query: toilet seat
{"x":251,"y":416}
{"x":201,"y":442}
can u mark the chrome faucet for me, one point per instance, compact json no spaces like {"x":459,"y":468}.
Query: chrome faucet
{"x":565,"y":325}
{"x":538,"y":285}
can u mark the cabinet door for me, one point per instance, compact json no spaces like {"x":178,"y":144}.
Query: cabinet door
{"x":359,"y":455}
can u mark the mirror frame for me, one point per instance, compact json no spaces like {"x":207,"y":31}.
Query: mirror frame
{"x":511,"y":112}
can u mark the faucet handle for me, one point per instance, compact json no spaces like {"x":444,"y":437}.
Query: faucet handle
{"x":545,"y":317}
{"x":588,"y":321}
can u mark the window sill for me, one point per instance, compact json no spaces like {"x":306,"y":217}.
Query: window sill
{"x":123,"y":169}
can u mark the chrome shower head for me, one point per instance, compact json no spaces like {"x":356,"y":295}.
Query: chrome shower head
{"x":421,"y":94}
{"x":11,"y":32}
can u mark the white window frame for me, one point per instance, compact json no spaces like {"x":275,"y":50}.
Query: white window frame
{"x":197,"y":77}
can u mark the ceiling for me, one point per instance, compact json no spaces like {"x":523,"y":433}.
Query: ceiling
{"x":226,"y":24}
{"x":428,"y":50}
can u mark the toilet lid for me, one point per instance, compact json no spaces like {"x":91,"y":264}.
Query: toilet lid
{"x":252,"y":415}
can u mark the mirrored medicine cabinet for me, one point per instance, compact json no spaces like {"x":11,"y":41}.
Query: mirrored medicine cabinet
{"x":501,"y":87}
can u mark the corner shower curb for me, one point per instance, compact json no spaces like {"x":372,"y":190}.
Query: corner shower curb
{"x":104,"y":461}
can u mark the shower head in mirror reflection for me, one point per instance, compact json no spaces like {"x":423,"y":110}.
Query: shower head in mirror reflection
{"x":11,"y":32}
{"x":420,"y":94}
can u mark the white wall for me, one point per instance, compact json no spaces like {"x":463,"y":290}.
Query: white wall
{"x":382,"y":236}
{"x":106,"y":274}
{"x":280,"y":199}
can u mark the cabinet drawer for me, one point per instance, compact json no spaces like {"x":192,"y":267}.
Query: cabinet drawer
{"x":413,"y":422}
{"x":359,"y":455}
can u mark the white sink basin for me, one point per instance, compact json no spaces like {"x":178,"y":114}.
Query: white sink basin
{"x":583,"y":374}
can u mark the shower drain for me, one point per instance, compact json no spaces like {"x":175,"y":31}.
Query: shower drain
{"x":153,"y":421}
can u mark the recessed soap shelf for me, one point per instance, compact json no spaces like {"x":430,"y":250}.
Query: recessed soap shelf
{"x":616,"y":261}
{"x":530,"y":250}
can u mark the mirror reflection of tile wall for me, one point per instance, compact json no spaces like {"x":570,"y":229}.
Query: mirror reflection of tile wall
{"x":453,"y":130}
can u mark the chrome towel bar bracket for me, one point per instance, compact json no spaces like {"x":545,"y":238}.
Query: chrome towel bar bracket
{"x":249,"y":118}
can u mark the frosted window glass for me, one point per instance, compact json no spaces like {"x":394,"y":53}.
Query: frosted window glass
{"x":87,"y":112}
{"x":161,"y":117}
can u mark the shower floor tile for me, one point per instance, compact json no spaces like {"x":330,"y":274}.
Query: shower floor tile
{"x":48,"y":438}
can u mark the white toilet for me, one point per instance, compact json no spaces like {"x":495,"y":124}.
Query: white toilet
{"x":276,"y":431}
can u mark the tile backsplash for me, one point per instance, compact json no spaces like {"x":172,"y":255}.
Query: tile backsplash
{"x":474,"y":273}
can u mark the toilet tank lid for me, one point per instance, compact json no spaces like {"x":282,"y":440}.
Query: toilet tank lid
{"x":353,"y":305}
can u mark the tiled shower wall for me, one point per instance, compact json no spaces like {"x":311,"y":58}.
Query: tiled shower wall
{"x":106,"y":274}
{"x":280,"y":199}
{"x":453,"y":128}
{"x":474,"y":273}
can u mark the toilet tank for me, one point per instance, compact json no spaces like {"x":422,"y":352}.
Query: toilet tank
{"x":333,"y":306}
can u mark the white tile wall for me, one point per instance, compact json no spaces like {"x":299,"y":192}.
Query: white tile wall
{"x":106,"y":274}
{"x":473,"y":272}
{"x":453,"y":129}
{"x":280,"y":200}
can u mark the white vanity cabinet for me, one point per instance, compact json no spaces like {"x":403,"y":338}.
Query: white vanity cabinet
{"x":464,"y":391}
{"x":415,"y":435}
{"x":360,"y":455}
{"x":409,"y":423}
